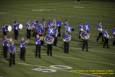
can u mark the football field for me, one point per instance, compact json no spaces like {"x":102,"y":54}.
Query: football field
{"x":97,"y":62}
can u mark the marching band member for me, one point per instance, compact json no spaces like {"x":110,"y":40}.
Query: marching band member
{"x":49,"y":41}
{"x":16,"y":28}
{"x":81,"y":28}
{"x":56,"y":37}
{"x":59,"y":24}
{"x":85,"y":36}
{"x":106,"y":39}
{"x":66,"y":39}
{"x":4,"y":30}
{"x":68,"y":27}
{"x":113,"y":32}
{"x":22,"y":49}
{"x":40,"y":32}
{"x":53,"y":31}
{"x":28,"y":30}
{"x":100,"y":30}
{"x":50,"y":23}
{"x":5,"y":47}
{"x":38,"y":47}
{"x":12,"y":50}
{"x":45,"y":26}
{"x":35,"y":25}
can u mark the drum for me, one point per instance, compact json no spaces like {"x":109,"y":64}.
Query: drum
{"x":20,"y":26}
{"x":67,"y":39}
{"x":9,"y":28}
{"x":49,"y":39}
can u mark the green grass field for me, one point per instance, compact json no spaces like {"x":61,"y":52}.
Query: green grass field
{"x":97,"y":58}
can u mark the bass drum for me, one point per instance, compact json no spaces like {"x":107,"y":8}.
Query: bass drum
{"x":49,"y":39}
{"x":20,"y":26}
{"x":9,"y":28}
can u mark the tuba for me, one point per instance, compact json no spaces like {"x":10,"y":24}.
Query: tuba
{"x":49,"y":39}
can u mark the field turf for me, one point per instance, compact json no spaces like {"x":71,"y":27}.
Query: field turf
{"x":91,"y":12}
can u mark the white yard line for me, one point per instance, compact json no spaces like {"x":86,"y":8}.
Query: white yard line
{"x":42,"y":10}
{"x":79,"y":7}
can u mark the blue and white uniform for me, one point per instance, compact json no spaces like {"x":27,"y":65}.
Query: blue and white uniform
{"x":4,"y":29}
{"x":38,"y":47}
{"x":81,"y":28}
{"x":22,"y":50}
{"x":87,"y":27}
{"x":52,"y":31}
{"x":12,"y":50}
{"x":49,"y":41}
{"x":38,"y":41}
{"x":59,"y":24}
{"x":85,"y":36}
{"x":106,"y":39}
{"x":66,"y":39}
{"x":28,"y":30}
{"x":106,"y":34}
{"x":99,"y":28}
{"x":5,"y":44}
{"x":15,"y":29}
{"x":50,"y":23}
{"x":40,"y":30}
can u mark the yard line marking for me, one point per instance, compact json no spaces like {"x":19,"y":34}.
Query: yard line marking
{"x":26,"y":64}
{"x":87,"y":74}
{"x":42,"y":10}
{"x":79,"y":7}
